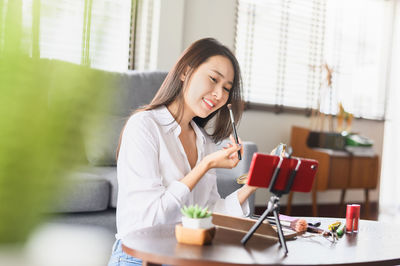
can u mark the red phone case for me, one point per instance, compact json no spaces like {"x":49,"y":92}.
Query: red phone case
{"x":263,"y":165}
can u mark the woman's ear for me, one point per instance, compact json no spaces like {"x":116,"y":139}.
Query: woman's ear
{"x":184,"y":75}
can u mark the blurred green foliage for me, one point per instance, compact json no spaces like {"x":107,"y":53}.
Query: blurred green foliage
{"x":45,"y":109}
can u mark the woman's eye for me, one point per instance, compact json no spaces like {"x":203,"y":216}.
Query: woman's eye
{"x":213,"y":79}
{"x":226,"y":89}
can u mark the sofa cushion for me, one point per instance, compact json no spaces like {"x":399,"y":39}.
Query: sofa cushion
{"x":109,"y":173}
{"x":131,"y":90}
{"x":84,"y":193}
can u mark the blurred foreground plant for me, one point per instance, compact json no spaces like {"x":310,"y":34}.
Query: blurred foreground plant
{"x":45,"y":107}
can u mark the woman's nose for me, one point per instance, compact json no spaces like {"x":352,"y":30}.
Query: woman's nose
{"x":217,"y":93}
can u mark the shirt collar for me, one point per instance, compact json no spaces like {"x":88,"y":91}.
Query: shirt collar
{"x":169,"y":124}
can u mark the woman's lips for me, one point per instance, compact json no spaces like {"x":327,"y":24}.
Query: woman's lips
{"x":210,"y":104}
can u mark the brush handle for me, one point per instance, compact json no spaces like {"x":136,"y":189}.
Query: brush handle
{"x":313,"y":229}
{"x":283,"y":223}
{"x":235,"y":135}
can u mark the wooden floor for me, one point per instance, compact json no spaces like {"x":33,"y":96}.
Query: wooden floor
{"x":326,"y":210}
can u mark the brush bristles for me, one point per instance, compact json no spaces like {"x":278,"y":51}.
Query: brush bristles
{"x":299,"y":225}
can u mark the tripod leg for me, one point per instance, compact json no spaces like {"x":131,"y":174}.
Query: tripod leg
{"x":280,"y":233}
{"x":257,"y":224}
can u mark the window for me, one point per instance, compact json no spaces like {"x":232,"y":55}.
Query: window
{"x":147,"y":30}
{"x":286,"y":49}
{"x":91,"y":32}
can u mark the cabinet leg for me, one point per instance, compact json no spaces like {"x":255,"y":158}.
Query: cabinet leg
{"x":314,"y":202}
{"x":342,"y":207}
{"x":289,"y":203}
{"x":366,"y":192}
{"x":342,"y":196}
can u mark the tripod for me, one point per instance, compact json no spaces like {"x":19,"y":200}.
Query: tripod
{"x":273,"y":204}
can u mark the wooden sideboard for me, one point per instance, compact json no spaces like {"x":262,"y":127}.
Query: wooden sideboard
{"x":337,"y":169}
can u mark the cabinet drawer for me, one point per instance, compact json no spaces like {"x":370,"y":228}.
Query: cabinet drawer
{"x":364,"y":172}
{"x":339,"y":172}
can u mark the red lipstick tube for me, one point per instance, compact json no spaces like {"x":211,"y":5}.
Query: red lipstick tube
{"x":352,"y":218}
{"x":356,"y":219}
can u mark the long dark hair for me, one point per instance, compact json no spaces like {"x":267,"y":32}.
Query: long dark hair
{"x":172,"y":88}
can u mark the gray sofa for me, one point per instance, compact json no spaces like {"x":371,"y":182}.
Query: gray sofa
{"x":91,"y":195}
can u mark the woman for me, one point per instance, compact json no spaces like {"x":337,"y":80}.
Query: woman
{"x":166,"y":159}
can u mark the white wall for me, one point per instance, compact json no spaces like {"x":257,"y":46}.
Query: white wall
{"x":171,"y":24}
{"x":216,"y":18}
{"x":209,"y":18}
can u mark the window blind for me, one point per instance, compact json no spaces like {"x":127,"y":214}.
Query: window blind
{"x":286,"y":47}
{"x":278,"y":44}
{"x":91,"y":32}
{"x":147,"y":29}
{"x":110,"y":34}
{"x":61,"y":29}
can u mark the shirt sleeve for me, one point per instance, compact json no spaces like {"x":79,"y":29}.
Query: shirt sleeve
{"x":230,"y":205}
{"x":142,"y":198}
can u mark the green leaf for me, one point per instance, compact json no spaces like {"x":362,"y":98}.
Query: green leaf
{"x":183,"y":212}
{"x":195,"y":211}
{"x":190,"y":212}
{"x":203,"y":212}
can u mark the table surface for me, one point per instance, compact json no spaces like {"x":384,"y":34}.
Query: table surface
{"x":375,"y":244}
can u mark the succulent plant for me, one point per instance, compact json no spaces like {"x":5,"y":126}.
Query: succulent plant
{"x":195,"y":212}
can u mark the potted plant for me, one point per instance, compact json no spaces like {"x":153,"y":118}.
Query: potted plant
{"x":196,"y":217}
{"x":197,"y":227}
{"x":46,"y":108}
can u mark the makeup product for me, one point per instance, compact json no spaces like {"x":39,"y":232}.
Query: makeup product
{"x":309,"y":228}
{"x":349,"y":218}
{"x":334,"y":226}
{"x":316,"y":224}
{"x":352,"y":218}
{"x":333,"y":229}
{"x":313,"y":229}
{"x":298,"y":225}
{"x":235,"y":135}
{"x":340,"y":230}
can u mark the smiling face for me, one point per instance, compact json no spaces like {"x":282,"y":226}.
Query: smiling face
{"x":209,"y":86}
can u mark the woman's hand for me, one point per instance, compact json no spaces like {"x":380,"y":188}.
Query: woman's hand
{"x":225,"y":158}
{"x":233,"y":141}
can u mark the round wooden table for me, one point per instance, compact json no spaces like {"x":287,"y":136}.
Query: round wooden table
{"x":375,"y":244}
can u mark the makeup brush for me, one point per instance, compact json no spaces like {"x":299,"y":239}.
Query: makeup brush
{"x":298,"y":225}
{"x":234,"y":129}
{"x":313,"y":229}
{"x":308,"y":227}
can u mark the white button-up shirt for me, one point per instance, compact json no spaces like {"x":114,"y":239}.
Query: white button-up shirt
{"x":150,"y":164}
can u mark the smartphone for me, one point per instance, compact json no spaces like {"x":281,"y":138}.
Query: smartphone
{"x":281,"y":148}
{"x":263,"y":166}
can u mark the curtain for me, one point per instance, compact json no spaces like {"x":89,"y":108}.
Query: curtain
{"x":389,"y":196}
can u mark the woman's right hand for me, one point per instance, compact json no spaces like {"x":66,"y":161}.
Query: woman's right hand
{"x":225,"y":158}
